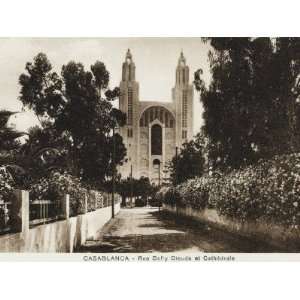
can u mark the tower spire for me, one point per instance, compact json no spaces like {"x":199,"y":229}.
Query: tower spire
{"x":182,"y":71}
{"x":128,"y":70}
{"x":128,"y":56}
{"x":181,"y":60}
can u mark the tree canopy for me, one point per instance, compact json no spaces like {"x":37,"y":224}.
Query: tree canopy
{"x":76,"y":114}
{"x":190,"y":161}
{"x":135,"y":187}
{"x":8,"y":135}
{"x":251,"y":106}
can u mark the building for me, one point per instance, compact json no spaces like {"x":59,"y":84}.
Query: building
{"x":154,"y":129}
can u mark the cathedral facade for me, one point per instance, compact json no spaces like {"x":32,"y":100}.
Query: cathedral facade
{"x":154,"y":129}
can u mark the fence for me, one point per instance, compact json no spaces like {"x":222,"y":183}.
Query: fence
{"x":5,"y":208}
{"x":38,"y":212}
{"x":44,"y":211}
{"x":33,"y":226}
{"x":96,"y":200}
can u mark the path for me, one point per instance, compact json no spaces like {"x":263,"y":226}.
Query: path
{"x":142,"y":230}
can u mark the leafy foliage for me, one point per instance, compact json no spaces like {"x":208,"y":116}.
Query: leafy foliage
{"x":56,"y":185}
{"x":76,"y":113}
{"x":8,"y":136}
{"x":136,"y":187}
{"x":268,"y":190}
{"x":190,"y":161}
{"x":251,"y":108}
{"x":6,"y":185}
{"x":10,"y":148}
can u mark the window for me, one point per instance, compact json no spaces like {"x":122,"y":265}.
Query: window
{"x":130,"y":109}
{"x":156,"y":140}
{"x":171,"y":123}
{"x":129,"y":132}
{"x":184,"y":134}
{"x":156,"y":162}
{"x":156,"y":113}
{"x":151,"y":115}
{"x":129,"y":73}
{"x":161,"y":115}
{"x":184,"y":109}
{"x":147,"y":118}
{"x":167,"y":119}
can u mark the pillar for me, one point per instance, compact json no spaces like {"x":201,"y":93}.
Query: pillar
{"x":85,"y":204}
{"x":20,"y":211}
{"x":66,"y":207}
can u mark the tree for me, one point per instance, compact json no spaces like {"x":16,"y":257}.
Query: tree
{"x":8,"y":135}
{"x":287,"y":68}
{"x":77,"y":106}
{"x":44,"y":151}
{"x":10,"y":148}
{"x":135,"y":187}
{"x":249,"y":106}
{"x":189,"y":163}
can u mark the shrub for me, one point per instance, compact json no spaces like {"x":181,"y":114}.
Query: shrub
{"x":140,"y":202}
{"x":56,"y":185}
{"x":195,"y":192}
{"x":280,"y":190}
{"x":268,"y":190}
{"x":96,"y":200}
{"x":237,"y":194}
{"x":171,"y":196}
{"x":6,"y":185}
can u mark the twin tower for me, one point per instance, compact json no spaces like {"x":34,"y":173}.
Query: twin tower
{"x":154,"y":129}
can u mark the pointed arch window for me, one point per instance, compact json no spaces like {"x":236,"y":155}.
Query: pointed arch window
{"x":171,"y":123}
{"x":160,"y":113}
{"x":156,"y":140}
{"x":130,"y":106}
{"x":184,"y":109}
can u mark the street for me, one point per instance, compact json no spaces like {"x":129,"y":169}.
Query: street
{"x":144,"y":230}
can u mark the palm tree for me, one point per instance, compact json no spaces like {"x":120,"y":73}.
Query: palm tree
{"x":9,"y":144}
{"x":8,"y":135}
{"x":22,"y":161}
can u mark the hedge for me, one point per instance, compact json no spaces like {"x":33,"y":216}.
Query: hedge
{"x":56,"y":185}
{"x":6,"y":185}
{"x":268,"y":190}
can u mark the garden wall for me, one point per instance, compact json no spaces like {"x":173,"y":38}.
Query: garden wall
{"x":283,"y":237}
{"x":60,"y":236}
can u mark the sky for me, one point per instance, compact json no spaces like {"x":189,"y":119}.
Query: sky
{"x":155,"y":59}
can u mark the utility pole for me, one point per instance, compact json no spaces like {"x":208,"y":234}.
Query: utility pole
{"x":176,"y":179}
{"x":131,"y":187}
{"x":159,"y":183}
{"x":176,"y":165}
{"x":159,"y":174}
{"x":113,"y":175}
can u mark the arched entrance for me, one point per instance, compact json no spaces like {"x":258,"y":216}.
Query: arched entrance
{"x":156,"y":133}
{"x":157,"y":171}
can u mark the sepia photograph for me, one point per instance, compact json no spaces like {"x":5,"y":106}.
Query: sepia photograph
{"x":179,"y":148}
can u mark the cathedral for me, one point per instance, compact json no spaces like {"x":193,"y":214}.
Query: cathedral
{"x":154,"y":129}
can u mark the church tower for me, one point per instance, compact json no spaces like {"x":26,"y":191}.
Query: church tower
{"x":154,"y":128}
{"x":182,"y":95}
{"x":129,"y":104}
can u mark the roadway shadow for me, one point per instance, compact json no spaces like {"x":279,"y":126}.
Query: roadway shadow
{"x":171,"y":234}
{"x":218,"y":240}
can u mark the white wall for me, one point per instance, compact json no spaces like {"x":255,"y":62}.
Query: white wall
{"x":61,"y":236}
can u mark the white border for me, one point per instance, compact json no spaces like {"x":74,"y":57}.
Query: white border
{"x":149,"y":18}
{"x":134,"y":18}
